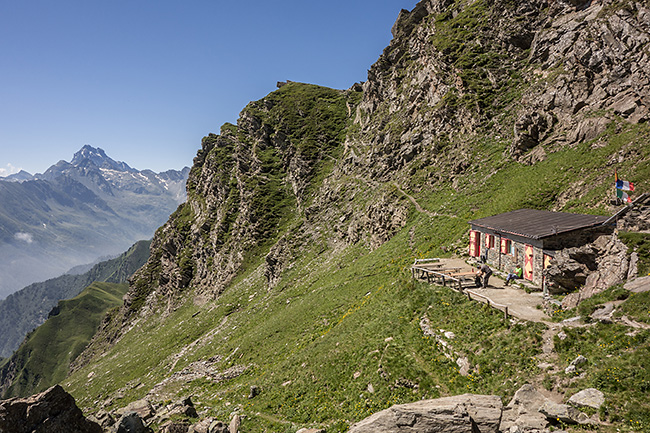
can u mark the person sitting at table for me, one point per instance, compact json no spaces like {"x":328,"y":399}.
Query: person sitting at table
{"x":517,"y":274}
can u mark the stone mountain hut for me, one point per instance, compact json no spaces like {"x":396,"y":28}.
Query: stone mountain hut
{"x":531,"y":237}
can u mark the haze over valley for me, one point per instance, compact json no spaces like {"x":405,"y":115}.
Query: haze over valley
{"x":77,"y":212}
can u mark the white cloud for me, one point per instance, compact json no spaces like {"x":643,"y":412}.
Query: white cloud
{"x":9,"y":170}
{"x":25,"y":237}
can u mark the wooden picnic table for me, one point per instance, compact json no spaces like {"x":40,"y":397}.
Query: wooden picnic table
{"x":435,"y":269}
{"x":428,"y":272}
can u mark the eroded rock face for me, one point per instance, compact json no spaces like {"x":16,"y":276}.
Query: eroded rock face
{"x":531,"y":128}
{"x":590,"y":67}
{"x":638,"y":285}
{"x":449,"y":414}
{"x":591,"y":268}
{"x":53,"y":410}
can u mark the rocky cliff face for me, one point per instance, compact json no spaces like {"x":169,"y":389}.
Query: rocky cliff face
{"x":248,"y":191}
{"x":537,"y":74}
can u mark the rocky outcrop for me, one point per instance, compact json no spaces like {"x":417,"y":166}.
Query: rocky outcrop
{"x":638,"y":285}
{"x":53,"y":410}
{"x":528,"y":411}
{"x":176,"y":417}
{"x":563,"y":413}
{"x":523,"y":410}
{"x":592,"y":268}
{"x":463,"y":413}
{"x":175,"y":427}
{"x":570,"y":268}
{"x":210,"y":425}
{"x":574,"y":63}
{"x":143,"y":408}
{"x":599,"y":50}
{"x":531,"y":128}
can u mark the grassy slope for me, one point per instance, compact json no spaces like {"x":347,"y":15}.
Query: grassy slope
{"x":47,"y":352}
{"x":24,"y":310}
{"x":341,"y":320}
{"x":330,"y":319}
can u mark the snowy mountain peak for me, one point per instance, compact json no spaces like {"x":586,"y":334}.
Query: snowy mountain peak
{"x":21,"y":176}
{"x":99,"y":158}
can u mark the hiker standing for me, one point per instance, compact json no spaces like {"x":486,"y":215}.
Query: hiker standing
{"x":485,"y":273}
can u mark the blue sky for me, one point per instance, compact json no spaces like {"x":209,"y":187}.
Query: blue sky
{"x":146,"y":80}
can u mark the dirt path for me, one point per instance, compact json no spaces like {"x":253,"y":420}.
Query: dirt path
{"x":417,"y":205}
{"x":520,"y":304}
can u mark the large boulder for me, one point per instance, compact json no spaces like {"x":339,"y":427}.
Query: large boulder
{"x":563,"y":413}
{"x":141,"y":407}
{"x":523,"y":410}
{"x":53,"y":410}
{"x":461,"y":413}
{"x":587,"y":398}
{"x":571,"y":267}
{"x":131,"y":423}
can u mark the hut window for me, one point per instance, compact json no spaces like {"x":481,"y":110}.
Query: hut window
{"x":507,"y":247}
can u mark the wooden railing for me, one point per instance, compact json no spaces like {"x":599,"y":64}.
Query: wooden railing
{"x":433,"y":268}
{"x":428,"y":268}
{"x":436,"y":274}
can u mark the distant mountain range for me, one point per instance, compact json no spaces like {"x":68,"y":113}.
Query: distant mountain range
{"x":78,"y":211}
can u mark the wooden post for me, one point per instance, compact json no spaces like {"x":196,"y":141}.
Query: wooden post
{"x":505,"y":313}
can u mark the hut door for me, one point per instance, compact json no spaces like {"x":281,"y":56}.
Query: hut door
{"x":528,"y":262}
{"x":474,"y":243}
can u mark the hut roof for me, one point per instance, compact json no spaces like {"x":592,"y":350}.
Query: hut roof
{"x":538,"y":224}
